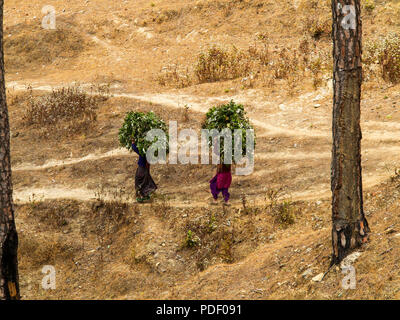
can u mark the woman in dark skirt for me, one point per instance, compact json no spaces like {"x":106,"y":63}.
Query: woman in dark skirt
{"x":144,"y":183}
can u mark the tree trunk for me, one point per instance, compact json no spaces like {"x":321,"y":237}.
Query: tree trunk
{"x":9,"y":285}
{"x":349,"y":226}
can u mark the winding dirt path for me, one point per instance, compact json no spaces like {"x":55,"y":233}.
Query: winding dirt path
{"x":65,"y":162}
{"x":201,"y":104}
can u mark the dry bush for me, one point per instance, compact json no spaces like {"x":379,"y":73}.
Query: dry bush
{"x":258,"y":64}
{"x":384,"y":53}
{"x":65,"y":111}
{"x":61,"y":104}
{"x":218,"y":64}
{"x":259,"y":52}
{"x":304,"y":50}
{"x":315,"y":66}
{"x":371,"y":67}
{"x":175,"y":76}
{"x":101,"y":90}
{"x":284,"y":213}
{"x":317,"y":27}
{"x":285,"y":64}
{"x":209,"y":239}
{"x":215,"y":64}
{"x":167,"y":15}
{"x":186,"y":116}
{"x":272,"y":197}
{"x":317,"y":21}
{"x":396,"y":176}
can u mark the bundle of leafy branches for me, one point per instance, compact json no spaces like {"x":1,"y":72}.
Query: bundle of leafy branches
{"x":135,"y":127}
{"x":233,"y":117}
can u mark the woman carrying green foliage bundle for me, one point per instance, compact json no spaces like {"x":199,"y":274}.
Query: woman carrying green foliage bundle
{"x":233,"y":117}
{"x":132,"y":136}
{"x":144,"y":183}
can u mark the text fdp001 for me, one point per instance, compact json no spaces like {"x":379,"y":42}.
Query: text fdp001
{"x":220,"y":309}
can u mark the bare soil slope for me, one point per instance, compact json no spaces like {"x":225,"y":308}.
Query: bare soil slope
{"x":74,"y":192}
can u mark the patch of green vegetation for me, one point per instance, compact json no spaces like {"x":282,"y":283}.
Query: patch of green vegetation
{"x":191,"y":240}
{"x":212,"y":224}
{"x":369,"y":5}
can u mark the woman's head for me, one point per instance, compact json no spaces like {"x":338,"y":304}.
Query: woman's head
{"x":222,"y":167}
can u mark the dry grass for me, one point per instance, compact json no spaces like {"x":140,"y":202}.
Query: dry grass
{"x":218,"y":64}
{"x":272,"y":255}
{"x":385,"y":53}
{"x":64,"y":111}
{"x":259,"y":65}
{"x":175,"y":76}
{"x":268,"y":63}
{"x":31,"y":46}
{"x":245,"y":253}
{"x":43,"y":252}
{"x":316,"y":19}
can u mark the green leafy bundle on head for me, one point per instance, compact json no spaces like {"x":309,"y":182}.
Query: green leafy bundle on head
{"x":231,"y":116}
{"x":136,"y":125}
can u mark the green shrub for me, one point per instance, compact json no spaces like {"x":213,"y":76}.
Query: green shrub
{"x":231,"y":116}
{"x":191,"y":240}
{"x":136,"y":125}
{"x":369,"y":5}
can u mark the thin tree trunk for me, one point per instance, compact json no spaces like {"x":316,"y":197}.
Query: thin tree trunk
{"x":9,"y":285}
{"x":349,"y":226}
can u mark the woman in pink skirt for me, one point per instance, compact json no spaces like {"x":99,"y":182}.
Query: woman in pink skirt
{"x":221,"y":183}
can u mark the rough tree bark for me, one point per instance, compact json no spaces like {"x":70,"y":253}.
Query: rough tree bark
{"x":349,"y":226}
{"x":9,"y":285}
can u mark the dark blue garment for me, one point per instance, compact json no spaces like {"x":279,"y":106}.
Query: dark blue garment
{"x":142,"y":160}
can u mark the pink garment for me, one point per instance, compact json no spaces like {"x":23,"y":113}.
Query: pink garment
{"x":224,"y":180}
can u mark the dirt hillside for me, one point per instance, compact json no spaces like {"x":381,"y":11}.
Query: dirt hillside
{"x":73,"y":185}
